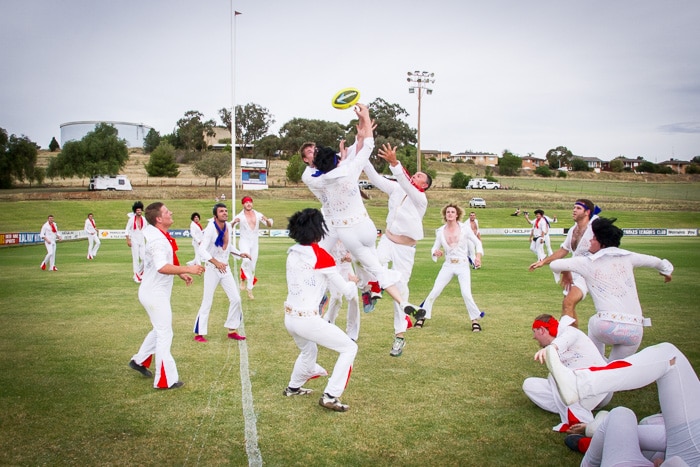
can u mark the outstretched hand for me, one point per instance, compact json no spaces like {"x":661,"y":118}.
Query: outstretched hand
{"x":388,"y":153}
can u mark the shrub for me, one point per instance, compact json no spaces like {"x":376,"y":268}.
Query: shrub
{"x":543,"y":171}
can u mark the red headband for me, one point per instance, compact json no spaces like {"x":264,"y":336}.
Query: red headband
{"x":246,"y":199}
{"x":552,"y":326}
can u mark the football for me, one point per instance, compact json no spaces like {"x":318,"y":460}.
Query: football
{"x":345,"y":98}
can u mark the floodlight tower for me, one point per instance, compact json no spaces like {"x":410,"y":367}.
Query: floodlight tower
{"x":419,"y":82}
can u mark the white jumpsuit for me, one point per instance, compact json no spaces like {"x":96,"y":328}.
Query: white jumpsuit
{"x":248,"y":242}
{"x":134,"y":230}
{"x":575,"y":350}
{"x":154,"y":294}
{"x":609,"y":276}
{"x":309,"y":269}
{"x":456,"y":264}
{"x":49,"y":233}
{"x":93,"y":238}
{"x":213,"y":277}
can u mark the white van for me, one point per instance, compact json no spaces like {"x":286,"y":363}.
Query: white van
{"x":110,"y":182}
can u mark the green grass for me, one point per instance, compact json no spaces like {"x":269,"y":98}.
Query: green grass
{"x":453,"y":398}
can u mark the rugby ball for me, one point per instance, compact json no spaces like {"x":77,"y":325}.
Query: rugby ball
{"x":345,"y":98}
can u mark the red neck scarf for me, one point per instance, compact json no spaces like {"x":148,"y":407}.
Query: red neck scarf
{"x":92,"y":222}
{"x":411,"y":180}
{"x":53,"y":227}
{"x":140,"y":226}
{"x":199,"y":225}
{"x":173,"y":245}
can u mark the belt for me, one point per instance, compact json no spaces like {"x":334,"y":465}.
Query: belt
{"x":457,"y":260}
{"x":625,"y":318}
{"x":300,"y":313}
{"x":347,"y":220}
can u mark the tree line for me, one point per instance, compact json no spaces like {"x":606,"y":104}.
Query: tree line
{"x":102,"y":152}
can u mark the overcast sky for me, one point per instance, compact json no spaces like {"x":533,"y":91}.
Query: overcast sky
{"x":604,"y":78}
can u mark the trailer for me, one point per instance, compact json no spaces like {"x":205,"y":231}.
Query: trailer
{"x":110,"y":182}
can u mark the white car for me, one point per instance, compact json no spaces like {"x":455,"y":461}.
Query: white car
{"x":477,"y":203}
{"x":491,"y":186}
{"x":365,"y":185}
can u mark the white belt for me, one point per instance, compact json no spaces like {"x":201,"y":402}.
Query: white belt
{"x":300,"y":313}
{"x":344,"y":222}
{"x":625,"y":318}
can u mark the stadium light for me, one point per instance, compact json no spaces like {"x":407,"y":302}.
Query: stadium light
{"x":419,"y":82}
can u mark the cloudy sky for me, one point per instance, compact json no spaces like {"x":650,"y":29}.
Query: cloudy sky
{"x":604,"y":78}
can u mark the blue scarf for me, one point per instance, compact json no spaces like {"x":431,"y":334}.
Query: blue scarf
{"x":220,"y":237}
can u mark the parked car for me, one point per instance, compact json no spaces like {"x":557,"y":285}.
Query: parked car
{"x":491,"y":186}
{"x":365,"y":185}
{"x":476,"y":183}
{"x":477,"y":203}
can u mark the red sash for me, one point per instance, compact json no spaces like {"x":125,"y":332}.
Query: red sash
{"x":173,"y":245}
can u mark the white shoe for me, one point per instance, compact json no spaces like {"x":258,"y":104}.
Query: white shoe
{"x":565,"y":378}
{"x":593,"y":426}
{"x":333,"y":403}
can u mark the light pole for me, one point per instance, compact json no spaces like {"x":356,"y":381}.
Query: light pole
{"x":234,"y":14}
{"x":419,"y":81}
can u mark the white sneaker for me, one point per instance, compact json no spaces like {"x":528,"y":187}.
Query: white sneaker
{"x":565,"y":378}
{"x":332,"y":403}
{"x":593,"y":426}
{"x":397,"y":348}
{"x":289,"y":392}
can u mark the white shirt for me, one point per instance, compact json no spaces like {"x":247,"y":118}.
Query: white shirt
{"x":248,"y":232}
{"x":47,"y":232}
{"x":338,"y":190}
{"x":158,"y":253}
{"x":575,"y":348}
{"x":208,"y":249}
{"x":308,"y":278}
{"x":89,"y":228}
{"x":460,"y":251}
{"x":407,"y":204}
{"x":609,"y":275}
{"x":539,"y":229}
{"x":584,"y":242}
{"x":196,"y":233}
{"x":134,"y":227}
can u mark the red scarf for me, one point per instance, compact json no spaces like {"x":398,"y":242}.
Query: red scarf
{"x":173,"y":245}
{"x":537,"y":223}
{"x":411,"y":180}
{"x":92,"y":222}
{"x":53,"y":227}
{"x":199,"y":225}
{"x":140,"y":226}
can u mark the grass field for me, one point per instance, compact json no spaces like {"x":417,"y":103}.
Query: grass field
{"x":453,"y":398}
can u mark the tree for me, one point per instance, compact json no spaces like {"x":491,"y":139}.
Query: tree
{"x":616,"y":165}
{"x":18,"y":156}
{"x":459,"y":180}
{"x":213,"y":164}
{"x":647,"y":167}
{"x":100,"y":152}
{"x":559,"y":157}
{"x":53,"y":145}
{"x":191,"y":131}
{"x":297,"y":131}
{"x":295,"y":169}
{"x":162,"y":162}
{"x":252,"y":123}
{"x":225,"y":116}
{"x":267,"y":146}
{"x":579,"y":165}
{"x":151,"y":141}
{"x":509,"y":164}
{"x":544,"y":171}
{"x":391,"y":129}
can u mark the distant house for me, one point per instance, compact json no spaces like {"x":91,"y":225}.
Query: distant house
{"x":220,"y":133}
{"x":677,"y":166}
{"x":532,"y":163}
{"x":631,"y":164}
{"x":594,"y":163}
{"x":478,"y":158}
{"x":437,"y":155}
